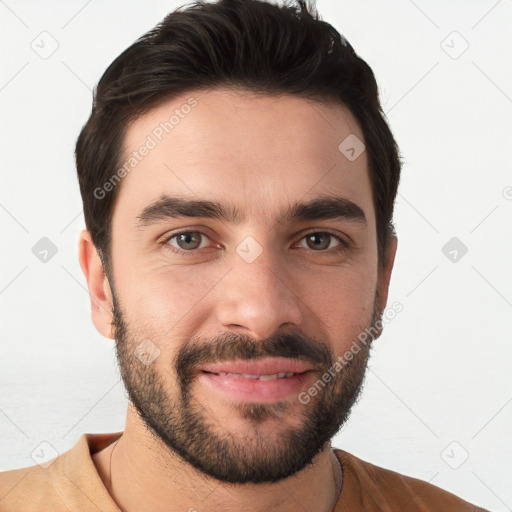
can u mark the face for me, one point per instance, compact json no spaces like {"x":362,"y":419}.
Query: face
{"x":229,"y":316}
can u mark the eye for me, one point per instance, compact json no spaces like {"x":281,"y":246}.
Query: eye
{"x":186,"y":241}
{"x":321,"y":240}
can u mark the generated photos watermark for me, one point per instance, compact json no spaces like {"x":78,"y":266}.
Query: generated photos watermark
{"x":151,"y":142}
{"x":363,"y":338}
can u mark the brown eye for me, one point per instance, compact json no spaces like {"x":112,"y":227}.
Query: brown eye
{"x":187,"y":240}
{"x":320,"y":241}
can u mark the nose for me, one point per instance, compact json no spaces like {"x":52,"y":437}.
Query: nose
{"x":259,"y":298}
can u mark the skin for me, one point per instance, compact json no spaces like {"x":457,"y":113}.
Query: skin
{"x":262,"y":154}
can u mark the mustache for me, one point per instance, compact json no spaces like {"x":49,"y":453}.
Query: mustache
{"x":230,"y":346}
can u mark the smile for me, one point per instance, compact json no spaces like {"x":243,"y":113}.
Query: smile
{"x":273,"y":376}
{"x":255,"y":387}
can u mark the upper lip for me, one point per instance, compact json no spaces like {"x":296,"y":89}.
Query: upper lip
{"x":267,"y":366}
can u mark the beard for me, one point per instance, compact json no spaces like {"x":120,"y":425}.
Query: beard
{"x":191,"y":431}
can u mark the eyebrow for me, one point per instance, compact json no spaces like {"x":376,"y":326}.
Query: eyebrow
{"x":319,"y":208}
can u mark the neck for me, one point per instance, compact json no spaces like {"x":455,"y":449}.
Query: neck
{"x":142,"y":475}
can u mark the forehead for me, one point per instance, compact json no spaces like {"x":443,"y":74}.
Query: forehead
{"x":255,"y":152}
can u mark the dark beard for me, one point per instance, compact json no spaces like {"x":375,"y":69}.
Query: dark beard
{"x":191,"y":431}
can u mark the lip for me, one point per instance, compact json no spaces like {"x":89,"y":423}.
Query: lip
{"x":264,"y":366}
{"x":249,"y":390}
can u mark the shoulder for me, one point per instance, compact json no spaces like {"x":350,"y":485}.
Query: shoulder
{"x":29,"y":487}
{"x":69,"y":481}
{"x":374,"y":488}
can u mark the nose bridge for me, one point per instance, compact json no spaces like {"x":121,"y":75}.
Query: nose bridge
{"x":257,"y":294}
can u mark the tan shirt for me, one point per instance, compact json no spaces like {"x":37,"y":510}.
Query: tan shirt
{"x":72,"y":483}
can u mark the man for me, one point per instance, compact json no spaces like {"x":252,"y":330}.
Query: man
{"x":238,"y":181}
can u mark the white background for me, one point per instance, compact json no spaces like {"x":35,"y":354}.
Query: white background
{"x":439,"y":385}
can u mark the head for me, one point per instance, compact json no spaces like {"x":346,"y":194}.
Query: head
{"x":226,"y":221}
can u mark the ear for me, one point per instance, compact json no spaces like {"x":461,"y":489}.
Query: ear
{"x":385,"y":272}
{"x":99,"y":287}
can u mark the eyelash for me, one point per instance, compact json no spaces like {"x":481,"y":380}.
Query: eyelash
{"x":342,"y":247}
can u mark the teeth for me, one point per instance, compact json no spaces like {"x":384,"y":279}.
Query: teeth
{"x":257,"y":377}
{"x":247,"y":376}
{"x":268,"y":377}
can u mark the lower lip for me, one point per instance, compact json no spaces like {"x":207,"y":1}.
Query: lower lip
{"x":264,"y":391}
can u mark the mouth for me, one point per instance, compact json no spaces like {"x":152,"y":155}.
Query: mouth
{"x":264,"y":380}
{"x":271,"y":376}
{"x":265,"y":368}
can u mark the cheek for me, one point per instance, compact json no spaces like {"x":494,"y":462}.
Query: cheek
{"x":166,"y":302}
{"x":345,"y":305}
